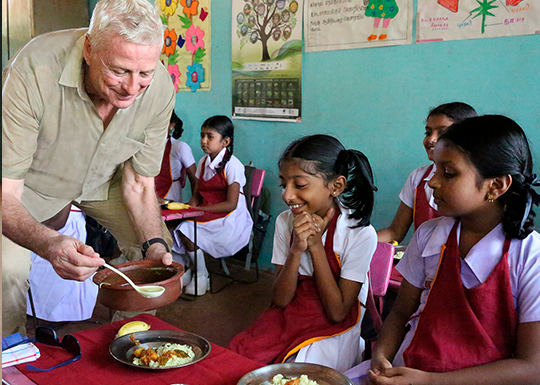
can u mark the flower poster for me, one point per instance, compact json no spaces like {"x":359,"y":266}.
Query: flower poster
{"x":345,"y":24}
{"x":186,"y":45}
{"x":267,"y":60}
{"x":470,"y":19}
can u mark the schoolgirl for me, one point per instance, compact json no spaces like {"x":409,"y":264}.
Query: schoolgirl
{"x":226,"y":225}
{"x":323,"y":247}
{"x":417,"y":204}
{"x":468,"y":309}
{"x":177,"y":165}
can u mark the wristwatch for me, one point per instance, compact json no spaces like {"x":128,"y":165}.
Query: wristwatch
{"x":146,"y":245}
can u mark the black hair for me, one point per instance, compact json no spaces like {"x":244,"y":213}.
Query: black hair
{"x":455,"y":111}
{"x":223,"y":126}
{"x":178,"y":126}
{"x":324,"y":155}
{"x":497,"y":146}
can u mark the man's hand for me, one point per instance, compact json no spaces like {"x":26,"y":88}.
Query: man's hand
{"x":158,"y":252}
{"x":71,"y":258}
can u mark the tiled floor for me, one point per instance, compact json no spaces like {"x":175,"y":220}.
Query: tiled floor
{"x":216,"y":317}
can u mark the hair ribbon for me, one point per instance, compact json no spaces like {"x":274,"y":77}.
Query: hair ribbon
{"x":532,"y":197}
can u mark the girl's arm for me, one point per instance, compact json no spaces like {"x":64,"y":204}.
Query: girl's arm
{"x":523,"y":369}
{"x":399,"y":227}
{"x":286,"y":280}
{"x":394,"y":327}
{"x":337,"y":297}
{"x":233,"y":192}
{"x":190,"y":171}
{"x":196,"y":198}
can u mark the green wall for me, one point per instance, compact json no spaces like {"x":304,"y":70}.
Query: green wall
{"x":375,"y":100}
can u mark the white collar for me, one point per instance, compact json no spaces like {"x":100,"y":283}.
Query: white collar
{"x":217,"y":160}
{"x":482,"y":257}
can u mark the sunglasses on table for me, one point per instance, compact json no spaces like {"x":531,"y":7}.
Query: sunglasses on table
{"x":47,"y":336}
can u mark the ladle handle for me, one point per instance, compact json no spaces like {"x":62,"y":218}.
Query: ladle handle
{"x":122,"y":275}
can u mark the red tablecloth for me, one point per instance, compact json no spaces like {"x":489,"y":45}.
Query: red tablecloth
{"x":98,"y":367}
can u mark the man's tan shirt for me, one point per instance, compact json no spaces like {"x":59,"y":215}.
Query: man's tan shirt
{"x":53,"y":136}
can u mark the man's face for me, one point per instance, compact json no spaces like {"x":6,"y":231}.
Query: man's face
{"x":120,"y":71}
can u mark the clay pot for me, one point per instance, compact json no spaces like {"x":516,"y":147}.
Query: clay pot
{"x":115,"y":293}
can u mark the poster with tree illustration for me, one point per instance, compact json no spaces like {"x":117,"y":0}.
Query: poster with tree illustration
{"x":470,"y":19}
{"x":187,"y":43}
{"x":267,"y":59}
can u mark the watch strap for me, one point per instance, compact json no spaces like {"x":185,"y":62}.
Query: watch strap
{"x":146,"y":245}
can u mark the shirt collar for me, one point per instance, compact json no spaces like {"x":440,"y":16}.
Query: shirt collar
{"x":217,"y":160}
{"x":482,"y":257}
{"x":73,"y":74}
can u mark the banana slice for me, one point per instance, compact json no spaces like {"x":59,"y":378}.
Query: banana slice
{"x":132,"y":327}
{"x":177,"y":206}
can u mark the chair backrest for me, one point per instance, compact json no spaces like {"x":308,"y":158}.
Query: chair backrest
{"x":257,"y":182}
{"x":381,"y":267}
{"x":253,"y":187}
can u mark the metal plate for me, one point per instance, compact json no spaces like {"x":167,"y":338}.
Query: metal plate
{"x":122,"y":348}
{"x":322,"y":374}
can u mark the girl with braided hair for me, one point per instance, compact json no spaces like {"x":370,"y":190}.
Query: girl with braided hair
{"x":468,"y":309}
{"x":323,"y":247}
{"x":226,"y":226}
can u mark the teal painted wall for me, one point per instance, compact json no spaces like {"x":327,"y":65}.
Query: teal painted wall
{"x":375,"y":100}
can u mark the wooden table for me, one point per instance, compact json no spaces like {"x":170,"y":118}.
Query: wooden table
{"x":180,"y":215}
{"x":97,"y":366}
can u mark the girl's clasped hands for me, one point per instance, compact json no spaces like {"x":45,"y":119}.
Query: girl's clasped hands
{"x":308,"y":230}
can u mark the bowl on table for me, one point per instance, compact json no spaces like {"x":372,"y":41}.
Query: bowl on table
{"x":115,"y":293}
{"x":323,"y":375}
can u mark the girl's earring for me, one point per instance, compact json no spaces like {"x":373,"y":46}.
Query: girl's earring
{"x":490,"y":198}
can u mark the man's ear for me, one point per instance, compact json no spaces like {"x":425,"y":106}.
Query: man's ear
{"x":338,"y":185}
{"x":499,"y":185}
{"x":87,"y":48}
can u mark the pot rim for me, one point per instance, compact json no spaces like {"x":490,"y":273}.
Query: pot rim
{"x":101,"y":275}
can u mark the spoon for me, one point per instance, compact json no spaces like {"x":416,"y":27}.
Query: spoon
{"x":151,"y":291}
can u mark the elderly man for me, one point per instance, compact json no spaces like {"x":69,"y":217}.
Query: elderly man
{"x":84,"y":121}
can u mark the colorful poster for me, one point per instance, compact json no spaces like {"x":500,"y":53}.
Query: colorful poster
{"x":471,"y":19}
{"x":267,"y":60}
{"x":345,"y":24}
{"x":187,"y":43}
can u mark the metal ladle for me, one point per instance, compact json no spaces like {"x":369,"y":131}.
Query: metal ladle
{"x":151,"y":291}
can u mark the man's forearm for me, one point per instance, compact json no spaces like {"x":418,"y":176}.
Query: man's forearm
{"x":143,"y":209}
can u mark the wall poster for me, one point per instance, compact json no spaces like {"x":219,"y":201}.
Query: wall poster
{"x":470,"y":19}
{"x":187,"y":43}
{"x":267,"y":60}
{"x":345,"y":24}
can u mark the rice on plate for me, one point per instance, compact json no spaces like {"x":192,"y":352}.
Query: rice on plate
{"x":167,"y":355}
{"x":279,"y":379}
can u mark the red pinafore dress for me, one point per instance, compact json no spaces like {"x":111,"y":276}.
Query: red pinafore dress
{"x":213,"y":191}
{"x":164,"y":180}
{"x":461,"y":327}
{"x":279,"y":333}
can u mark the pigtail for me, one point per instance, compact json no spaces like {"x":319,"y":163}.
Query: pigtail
{"x":178,"y":126}
{"x":227,"y":157}
{"x":518,"y":221}
{"x":358,"y":195}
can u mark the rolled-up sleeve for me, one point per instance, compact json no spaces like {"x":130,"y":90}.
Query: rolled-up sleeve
{"x":21,"y":109}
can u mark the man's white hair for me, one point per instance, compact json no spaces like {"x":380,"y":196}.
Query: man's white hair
{"x":137,"y":21}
